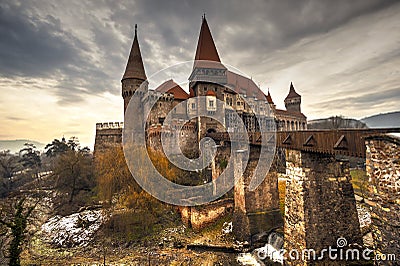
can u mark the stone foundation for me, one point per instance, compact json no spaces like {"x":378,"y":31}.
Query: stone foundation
{"x":198,"y":217}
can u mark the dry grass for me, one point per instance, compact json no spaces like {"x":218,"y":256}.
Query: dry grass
{"x":359,"y":180}
{"x":281,"y":190}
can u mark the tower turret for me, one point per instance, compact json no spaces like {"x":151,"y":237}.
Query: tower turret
{"x":207,"y":64}
{"x":293,"y":100}
{"x":270,"y":101}
{"x":134,"y":74}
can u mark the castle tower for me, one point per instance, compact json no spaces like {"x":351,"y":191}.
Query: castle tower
{"x":207,"y":79}
{"x":293,"y":100}
{"x":206,"y":49}
{"x":134,"y":74}
{"x":207,"y":64}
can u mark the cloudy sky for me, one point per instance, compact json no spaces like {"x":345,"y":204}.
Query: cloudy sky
{"x":61,"y":62}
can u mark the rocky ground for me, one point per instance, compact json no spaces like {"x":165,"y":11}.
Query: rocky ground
{"x":49,"y":246}
{"x":79,"y":239}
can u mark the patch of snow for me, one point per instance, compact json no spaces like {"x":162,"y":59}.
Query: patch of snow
{"x":74,"y":230}
{"x":247,"y":259}
{"x":227,"y":228}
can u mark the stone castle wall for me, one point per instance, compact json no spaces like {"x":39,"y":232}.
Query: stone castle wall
{"x":185,"y":139}
{"x":383,"y":169}
{"x":108,"y":135}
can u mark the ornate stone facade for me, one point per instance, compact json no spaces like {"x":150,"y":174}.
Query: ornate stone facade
{"x":224,"y":91}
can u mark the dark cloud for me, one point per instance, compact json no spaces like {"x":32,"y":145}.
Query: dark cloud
{"x":32,"y":47}
{"x":35,"y":42}
{"x":256,"y":26}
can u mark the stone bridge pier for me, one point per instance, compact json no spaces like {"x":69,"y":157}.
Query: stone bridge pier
{"x":383,"y":168}
{"x":319,"y":206}
{"x":256,"y":212}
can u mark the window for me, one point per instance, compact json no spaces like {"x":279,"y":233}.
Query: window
{"x":193,"y":106}
{"x":211,"y":103}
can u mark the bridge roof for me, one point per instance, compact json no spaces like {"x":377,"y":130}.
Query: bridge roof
{"x":349,"y":142}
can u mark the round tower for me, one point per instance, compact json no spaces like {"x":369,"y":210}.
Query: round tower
{"x":134,"y":74}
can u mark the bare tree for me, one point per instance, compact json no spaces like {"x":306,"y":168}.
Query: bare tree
{"x":9,"y":164}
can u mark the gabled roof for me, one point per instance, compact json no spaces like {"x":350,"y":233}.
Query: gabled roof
{"x":289,"y":113}
{"x":244,"y":85}
{"x":172,"y":87}
{"x":206,"y":49}
{"x":134,"y":67}
{"x":292,"y":93}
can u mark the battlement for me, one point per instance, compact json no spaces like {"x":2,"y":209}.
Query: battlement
{"x":109,"y":125}
{"x":153,"y":95}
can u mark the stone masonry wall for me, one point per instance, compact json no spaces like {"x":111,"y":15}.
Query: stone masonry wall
{"x":319,"y":206}
{"x":256,"y":212}
{"x":108,"y":135}
{"x":199,"y":217}
{"x":383,"y":168}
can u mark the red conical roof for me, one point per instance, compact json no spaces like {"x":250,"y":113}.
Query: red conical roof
{"x":206,"y":49}
{"x":134,"y":67}
{"x":292,"y":92}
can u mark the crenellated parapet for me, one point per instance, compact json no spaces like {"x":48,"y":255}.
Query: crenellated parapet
{"x":109,"y":125}
{"x":108,"y":134}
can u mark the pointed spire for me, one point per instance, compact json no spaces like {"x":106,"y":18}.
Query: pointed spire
{"x":292,"y":93}
{"x":206,"y":49}
{"x":291,"y":86}
{"x":269,"y":98}
{"x":134,"y":68}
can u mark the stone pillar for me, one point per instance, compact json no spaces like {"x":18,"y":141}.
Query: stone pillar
{"x":319,"y":206}
{"x":383,"y":168}
{"x":256,"y":212}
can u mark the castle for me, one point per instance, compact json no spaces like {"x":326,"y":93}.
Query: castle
{"x":213,"y":89}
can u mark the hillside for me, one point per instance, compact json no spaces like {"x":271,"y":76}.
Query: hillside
{"x":16,"y":145}
{"x":335,"y":122}
{"x":383,"y":120}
